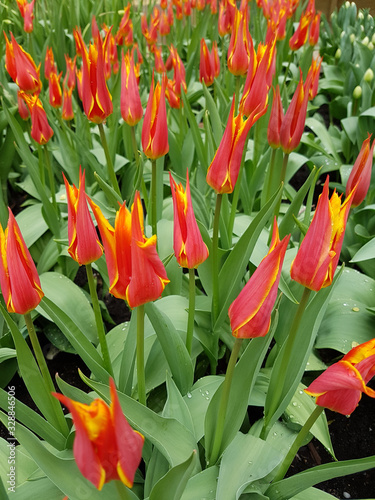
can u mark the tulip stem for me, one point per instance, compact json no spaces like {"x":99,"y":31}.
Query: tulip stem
{"x":45,"y":374}
{"x":99,"y":320}
{"x":153,"y":197}
{"x":286,"y":352}
{"x":219,"y":430}
{"x":141,"y":354}
{"x":190,"y":327}
{"x":139,"y":180}
{"x":270,"y":173}
{"x":215,"y":260}
{"x":297,"y":443}
{"x":282,"y":180}
{"x":111,"y":170}
{"x":237,"y":94}
{"x":51,"y":179}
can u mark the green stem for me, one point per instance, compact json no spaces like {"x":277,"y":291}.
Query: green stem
{"x":42,"y":174}
{"x":190,"y":326}
{"x":282,"y":180}
{"x":153,"y":197}
{"x":219,"y":430}
{"x":139,"y":181}
{"x":236,"y":195}
{"x":237,"y":94}
{"x":45,"y":374}
{"x":270,"y":172}
{"x":286,"y":355}
{"x":141,"y":354}
{"x":51,"y":179}
{"x":111,"y":170}
{"x":298,"y":443}
{"x":99,"y":320}
{"x":215,"y":260}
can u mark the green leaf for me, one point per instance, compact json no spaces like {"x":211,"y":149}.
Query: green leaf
{"x":68,"y":297}
{"x":176,"y":407}
{"x":247,"y":459}
{"x":172,"y":485}
{"x":288,"y":488}
{"x":173,"y":347}
{"x":31,"y":223}
{"x":325,"y":138}
{"x":366,"y":252}
{"x":233,"y":270}
{"x":202,"y":485}
{"x":79,"y":341}
{"x":164,"y":433}
{"x":214,"y":116}
{"x":198,"y":143}
{"x":7,"y":353}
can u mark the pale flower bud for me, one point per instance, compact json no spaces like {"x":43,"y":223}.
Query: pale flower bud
{"x":368,"y":76}
{"x":357,"y":92}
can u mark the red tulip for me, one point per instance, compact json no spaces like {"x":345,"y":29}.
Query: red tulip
{"x":314,"y":30}
{"x":299,"y":37}
{"x":209,"y":64}
{"x":41,"y":131}
{"x":360,"y":175}
{"x":155,"y":129}
{"x":240,"y":45}
{"x":55,"y":93}
{"x":317,"y":258}
{"x":250,"y":312}
{"x":49,"y":63}
{"x":19,"y":280}
{"x":27,"y":12}
{"x":67,"y":109}
{"x":105,"y":447}
{"x":84,"y":246}
{"x":276,"y":119}
{"x":189,"y":247}
{"x":130,"y":101}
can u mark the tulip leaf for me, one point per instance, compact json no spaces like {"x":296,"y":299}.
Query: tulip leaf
{"x":233,"y":270}
{"x":61,"y":469}
{"x":79,"y":341}
{"x":163,"y":432}
{"x":111,"y":194}
{"x":30,"y":372}
{"x":202,"y":485}
{"x":172,"y":485}
{"x":247,"y":459}
{"x":173,"y":347}
{"x":288,"y":488}
{"x":7,"y":353}
{"x":198,"y":142}
{"x":3,"y":493}
{"x":31,"y":223}
{"x":214,"y":116}
{"x":68,"y":297}
{"x":324,"y":136}
{"x":34,"y":422}
{"x":366,"y":252}
{"x":176,"y":407}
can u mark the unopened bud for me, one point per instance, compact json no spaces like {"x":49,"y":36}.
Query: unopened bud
{"x":342,"y":34}
{"x":373,"y":39}
{"x":338,"y":53}
{"x":352,"y":37}
{"x":370,"y":46}
{"x":360,"y":15}
{"x":365,"y":41}
{"x":357,"y":92}
{"x":347,"y":5}
{"x":368,"y":76}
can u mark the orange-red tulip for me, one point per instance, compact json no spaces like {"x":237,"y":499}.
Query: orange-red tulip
{"x":188,"y":245}
{"x":130,"y":101}
{"x":209,"y":64}
{"x":49,"y":63}
{"x":314,"y":30}
{"x":276,"y":119}
{"x":19,"y":280}
{"x":105,"y":447}
{"x":340,"y":387}
{"x":27,"y":12}
{"x":41,"y":131}
{"x":241,"y":45}
{"x":317,"y":258}
{"x":155,"y":129}
{"x":250,"y":312}
{"x":67,"y":109}
{"x":84,"y":246}
{"x":55,"y":92}
{"x":360,"y":175}
{"x":313,"y":77}
{"x":299,"y":37}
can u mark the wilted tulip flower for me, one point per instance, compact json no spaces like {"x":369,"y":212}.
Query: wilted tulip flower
{"x":105,"y":447}
{"x":19,"y":280}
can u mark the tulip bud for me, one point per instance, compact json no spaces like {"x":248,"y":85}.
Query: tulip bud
{"x":370,"y":46}
{"x":357,"y":92}
{"x":338,"y":53}
{"x":365,"y":41}
{"x":352,"y":37}
{"x":368,"y":76}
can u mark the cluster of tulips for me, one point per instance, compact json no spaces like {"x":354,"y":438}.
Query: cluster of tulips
{"x":106,"y":447}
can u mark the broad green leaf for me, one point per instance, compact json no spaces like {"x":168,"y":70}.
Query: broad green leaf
{"x":202,"y":485}
{"x":313,"y":494}
{"x":173,"y":347}
{"x":172,"y":485}
{"x":32,"y":224}
{"x":366,"y":252}
{"x":164,"y":433}
{"x":214,"y":116}
{"x":71,"y":300}
{"x":200,"y":149}
{"x":288,"y":488}
{"x":176,"y":407}
{"x":39,"y":487}
{"x":79,"y":341}
{"x":233,"y":270}
{"x":7,"y":353}
{"x":323,"y":135}
{"x":247,"y":459}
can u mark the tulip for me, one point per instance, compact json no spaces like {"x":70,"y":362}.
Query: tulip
{"x":314,"y":30}
{"x":227,"y":10}
{"x":276,"y":119}
{"x":360,"y":175}
{"x":49,"y":63}
{"x":299,"y":37}
{"x":189,"y":247}
{"x":70,"y":75}
{"x":21,"y":67}
{"x":55,"y":93}
{"x":125,"y":30}
{"x":224,"y":169}
{"x":155,"y":129}
{"x":165,"y":27}
{"x":67,"y":109}
{"x":250,"y":312}
{"x":240,"y":45}
{"x":19,"y":280}
{"x":294,"y":120}
{"x":340,"y":387}
{"x":206,"y":64}
{"x":313,"y":77}
{"x":135,"y":270}
{"x":96,"y":99}
{"x":27,"y":12}
{"x":159,"y":63}
{"x":105,"y":447}
{"x":22,"y":106}
{"x":173,"y":98}
{"x":84,"y":246}
{"x":360,"y":352}
{"x":130,"y":101}
{"x":318,"y":255}
{"x":41,"y":131}
{"x":179,"y":71}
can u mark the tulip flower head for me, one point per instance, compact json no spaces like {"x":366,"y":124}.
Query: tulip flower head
{"x":55,"y":92}
{"x":209,"y":64}
{"x":340,"y":387}
{"x":155,"y":129}
{"x":317,"y":258}
{"x":189,"y":247}
{"x":276,"y":119}
{"x":360,"y":175}
{"x":41,"y":131}
{"x":250,"y":312}
{"x":240,"y":45}
{"x":130,"y":101}
{"x":84,"y":246}
{"x":105,"y":447}
{"x":67,"y":109}
{"x":27,"y":12}
{"x":19,"y":280}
